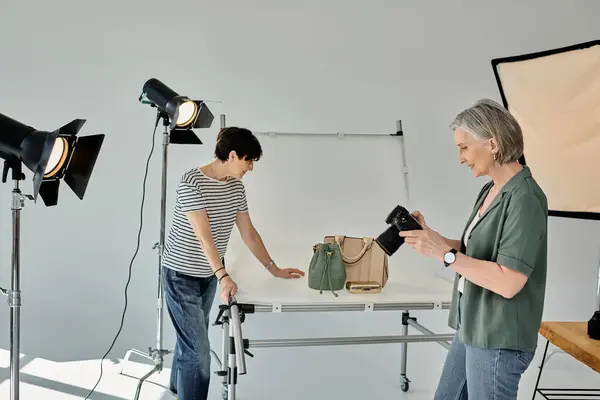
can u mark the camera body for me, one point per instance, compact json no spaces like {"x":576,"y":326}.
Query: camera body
{"x":398,"y":220}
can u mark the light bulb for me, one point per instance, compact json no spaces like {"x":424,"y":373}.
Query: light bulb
{"x":57,"y":157}
{"x":187,"y":112}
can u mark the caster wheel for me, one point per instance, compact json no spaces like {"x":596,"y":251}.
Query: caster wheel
{"x":224,"y":392}
{"x":404,"y":384}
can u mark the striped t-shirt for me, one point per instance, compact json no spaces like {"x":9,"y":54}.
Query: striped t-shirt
{"x":222,"y":200}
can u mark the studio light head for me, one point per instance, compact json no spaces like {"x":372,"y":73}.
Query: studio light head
{"x":182,"y":112}
{"x":51,"y":156}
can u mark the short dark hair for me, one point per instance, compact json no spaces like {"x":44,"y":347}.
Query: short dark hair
{"x":240,"y":140}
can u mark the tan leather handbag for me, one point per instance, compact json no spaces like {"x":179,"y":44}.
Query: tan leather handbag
{"x":365,"y":261}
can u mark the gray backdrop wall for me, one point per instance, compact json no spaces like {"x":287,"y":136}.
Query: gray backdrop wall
{"x":308,"y":66}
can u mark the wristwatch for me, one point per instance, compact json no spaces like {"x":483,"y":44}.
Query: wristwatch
{"x":450,"y":257}
{"x":269,"y":265}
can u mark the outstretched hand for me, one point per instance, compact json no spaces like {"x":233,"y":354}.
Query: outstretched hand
{"x":287,"y":273}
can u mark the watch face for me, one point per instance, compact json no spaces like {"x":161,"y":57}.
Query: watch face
{"x":449,"y":257}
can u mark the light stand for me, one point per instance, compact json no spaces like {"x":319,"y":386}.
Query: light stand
{"x":52,"y":156}
{"x":14,"y":294}
{"x":157,"y":355}
{"x":168,"y":104}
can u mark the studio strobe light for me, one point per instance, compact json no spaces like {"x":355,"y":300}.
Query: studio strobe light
{"x":180,"y":115}
{"x":51,"y":156}
{"x":177,"y":111}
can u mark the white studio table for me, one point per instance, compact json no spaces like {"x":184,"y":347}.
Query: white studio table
{"x":405,"y":291}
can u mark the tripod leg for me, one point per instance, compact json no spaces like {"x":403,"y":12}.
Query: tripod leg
{"x":128,"y":356}
{"x":139,"y":386}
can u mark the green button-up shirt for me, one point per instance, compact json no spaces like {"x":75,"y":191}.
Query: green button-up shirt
{"x":513,"y":233}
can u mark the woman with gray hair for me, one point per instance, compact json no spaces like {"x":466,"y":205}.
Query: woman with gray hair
{"x":500,"y":261}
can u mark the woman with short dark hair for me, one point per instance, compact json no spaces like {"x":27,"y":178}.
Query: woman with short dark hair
{"x":210,"y":199}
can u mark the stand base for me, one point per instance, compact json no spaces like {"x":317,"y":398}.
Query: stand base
{"x":157,"y":356}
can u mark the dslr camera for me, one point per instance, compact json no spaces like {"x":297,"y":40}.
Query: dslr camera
{"x":398,"y":220}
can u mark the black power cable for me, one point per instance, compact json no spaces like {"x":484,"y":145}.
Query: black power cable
{"x":134,"y":255}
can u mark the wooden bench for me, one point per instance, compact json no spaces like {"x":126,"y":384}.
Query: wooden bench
{"x":572,"y":338}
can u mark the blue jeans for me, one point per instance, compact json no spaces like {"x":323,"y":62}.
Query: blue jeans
{"x":475,"y":373}
{"x":189,"y":301}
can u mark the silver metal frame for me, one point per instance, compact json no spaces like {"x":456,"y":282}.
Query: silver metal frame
{"x":232,"y":334}
{"x":398,"y":134}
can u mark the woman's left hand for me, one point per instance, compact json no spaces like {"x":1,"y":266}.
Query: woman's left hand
{"x":286,"y":273}
{"x":427,"y":242}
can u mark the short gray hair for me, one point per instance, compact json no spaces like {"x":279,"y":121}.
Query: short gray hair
{"x":487,"y":119}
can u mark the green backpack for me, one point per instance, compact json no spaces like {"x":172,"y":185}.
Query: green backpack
{"x":327,"y":270}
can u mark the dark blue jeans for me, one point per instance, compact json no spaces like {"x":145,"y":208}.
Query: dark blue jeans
{"x":189,"y":301}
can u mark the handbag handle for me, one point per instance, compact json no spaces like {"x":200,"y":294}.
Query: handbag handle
{"x":367,"y":242}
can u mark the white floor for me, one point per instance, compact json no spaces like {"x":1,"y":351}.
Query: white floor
{"x":344,"y":372}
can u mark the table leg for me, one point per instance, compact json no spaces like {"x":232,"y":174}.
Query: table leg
{"x":225,"y":356}
{"x":541,"y":368}
{"x":404,"y":381}
{"x":232,"y":369}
